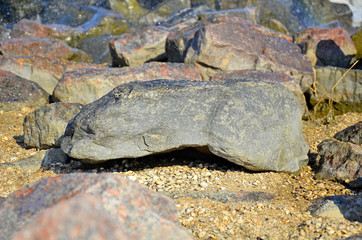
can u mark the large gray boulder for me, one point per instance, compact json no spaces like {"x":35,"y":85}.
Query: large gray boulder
{"x":44,"y":127}
{"x":256,"y":125}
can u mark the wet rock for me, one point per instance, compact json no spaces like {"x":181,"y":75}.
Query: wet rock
{"x":107,"y":205}
{"x":136,"y":48}
{"x":98,"y":48}
{"x":242,"y":45}
{"x":296,"y":16}
{"x":339,"y":161}
{"x":87,"y":85}
{"x":44,"y":127}
{"x":103,"y":22}
{"x":255,"y":125}
{"x":131,"y":9}
{"x":43,"y":47}
{"x":248,"y":14}
{"x":270,"y":77}
{"x":162,"y":10}
{"x":346,"y":96}
{"x":341,"y":207}
{"x":352,"y":134}
{"x":327,"y":47}
{"x":32,"y":163}
{"x":44,"y":71}
{"x":17,"y":92}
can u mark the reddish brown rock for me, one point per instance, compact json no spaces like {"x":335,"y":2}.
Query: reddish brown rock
{"x":263,"y":76}
{"x":87,"y":85}
{"x":44,"y":71}
{"x":327,"y":47}
{"x":179,"y":40}
{"x":17,"y":92}
{"x":242,"y":45}
{"x":138,"y":47}
{"x":118,"y":204}
{"x":43,"y":47}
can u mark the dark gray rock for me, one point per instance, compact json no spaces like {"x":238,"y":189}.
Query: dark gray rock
{"x":60,"y":204}
{"x":87,"y":85}
{"x":346,"y":96}
{"x":44,"y":127}
{"x":352,"y":134}
{"x":141,"y":46}
{"x":98,"y":48}
{"x":53,"y":157}
{"x":343,"y":206}
{"x":255,"y":125}
{"x":32,"y":163}
{"x":239,"y":45}
{"x":340,"y":161}
{"x":17,"y":92}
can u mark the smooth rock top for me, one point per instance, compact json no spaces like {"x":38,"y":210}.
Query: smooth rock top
{"x":256,"y":125}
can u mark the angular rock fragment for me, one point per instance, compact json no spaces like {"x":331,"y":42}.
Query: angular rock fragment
{"x":44,"y":127}
{"x":241,"y":45}
{"x":340,"y":161}
{"x":17,"y":92}
{"x":136,"y":48}
{"x":87,"y":85}
{"x":352,"y":134}
{"x":43,"y":47}
{"x":255,"y":125}
{"x":44,"y":71}
{"x":327,"y":47}
{"x":81,"y":206}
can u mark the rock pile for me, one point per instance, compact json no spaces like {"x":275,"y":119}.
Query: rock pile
{"x":225,"y":76}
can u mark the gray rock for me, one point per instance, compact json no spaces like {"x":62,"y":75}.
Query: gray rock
{"x":17,"y":92}
{"x":103,"y":205}
{"x":340,"y":161}
{"x":263,"y":76}
{"x":54,"y":156}
{"x":347,"y":95}
{"x":241,"y":45}
{"x":255,"y":125}
{"x":352,"y":134}
{"x":98,"y":48}
{"x":32,"y":163}
{"x":44,"y":127}
{"x":87,"y":85}
{"x":141,"y":46}
{"x":340,"y":207}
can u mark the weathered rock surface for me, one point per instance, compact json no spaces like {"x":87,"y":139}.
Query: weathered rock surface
{"x":136,"y":48}
{"x":98,"y":48}
{"x":343,"y":206}
{"x":347,"y":95}
{"x":352,"y":134}
{"x":53,"y":157}
{"x":17,"y":92}
{"x":327,"y":47}
{"x":44,"y":71}
{"x":179,"y":40}
{"x":340,"y":161}
{"x":102,"y":22}
{"x":44,"y":127}
{"x":262,"y":76}
{"x":107,"y":205}
{"x":87,"y":85}
{"x":43,"y":47}
{"x":248,"y":14}
{"x":241,"y":45}
{"x":357,"y":40}
{"x":255,"y":125}
{"x":32,"y":163}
